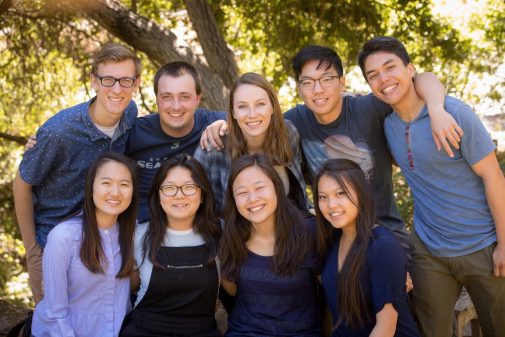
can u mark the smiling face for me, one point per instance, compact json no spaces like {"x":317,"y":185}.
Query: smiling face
{"x":325,"y":103}
{"x":337,"y":207}
{"x":177,"y":101}
{"x":389,"y":78}
{"x":253,"y":111}
{"x":255,"y":196}
{"x":112,"y":191}
{"x":111,"y":102}
{"x":180,"y":209}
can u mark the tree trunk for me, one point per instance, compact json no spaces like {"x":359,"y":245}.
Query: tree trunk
{"x":158,"y":44}
{"x":219,"y":57}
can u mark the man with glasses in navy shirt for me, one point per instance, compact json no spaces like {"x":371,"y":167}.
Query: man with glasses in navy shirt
{"x":49,"y":185}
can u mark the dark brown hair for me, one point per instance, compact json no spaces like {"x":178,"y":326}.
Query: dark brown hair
{"x":292,"y":241}
{"x":276,"y":147}
{"x":115,"y":52}
{"x":355,"y":308}
{"x":177,"y":69}
{"x":379,"y":44}
{"x":91,"y":252}
{"x":206,"y":221}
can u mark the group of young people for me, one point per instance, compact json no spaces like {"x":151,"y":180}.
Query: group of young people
{"x":237,"y":216}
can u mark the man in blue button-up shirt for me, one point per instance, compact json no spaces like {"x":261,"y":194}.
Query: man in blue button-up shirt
{"x":50,"y":183}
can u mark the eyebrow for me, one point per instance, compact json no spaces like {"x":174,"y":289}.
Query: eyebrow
{"x":109,"y":178}
{"x":254,"y":183}
{"x":174,"y":93}
{"x":386,"y":62}
{"x":258,"y":100}
{"x":174,"y":183}
{"x":326,"y":73}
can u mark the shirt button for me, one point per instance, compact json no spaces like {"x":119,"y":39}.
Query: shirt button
{"x":106,"y":231}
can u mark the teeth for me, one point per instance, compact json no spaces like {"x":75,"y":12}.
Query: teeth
{"x":176,"y":114}
{"x":180,"y":205}
{"x":253,"y":123}
{"x":116,"y":99}
{"x":320,"y":101}
{"x":336,"y":213}
{"x":255,"y":209}
{"x":389,"y":89}
{"x":114,"y":202}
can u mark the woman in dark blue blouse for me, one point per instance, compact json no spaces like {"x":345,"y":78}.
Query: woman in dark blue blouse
{"x":364,"y":274}
{"x":267,"y":256}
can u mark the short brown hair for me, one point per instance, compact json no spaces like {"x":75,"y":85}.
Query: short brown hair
{"x":176,"y":69}
{"x":115,"y":52}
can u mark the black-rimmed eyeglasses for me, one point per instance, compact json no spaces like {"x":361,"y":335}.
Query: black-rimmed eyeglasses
{"x":171,"y":190}
{"x":109,"y":81}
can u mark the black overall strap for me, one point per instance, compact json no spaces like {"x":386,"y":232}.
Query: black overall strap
{"x":181,"y":297}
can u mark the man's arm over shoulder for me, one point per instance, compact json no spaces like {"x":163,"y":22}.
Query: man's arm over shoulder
{"x":445,"y":130}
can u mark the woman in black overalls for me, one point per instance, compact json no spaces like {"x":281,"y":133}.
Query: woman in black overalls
{"x":175,"y":253}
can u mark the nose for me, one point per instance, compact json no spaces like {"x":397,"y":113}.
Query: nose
{"x":317,"y":86}
{"x":382,"y":76}
{"x":178,"y":193}
{"x":252,"y":196}
{"x":114,"y":189}
{"x":251,"y":112}
{"x":116,"y":87}
{"x":333,"y":202}
{"x":176,"y":105}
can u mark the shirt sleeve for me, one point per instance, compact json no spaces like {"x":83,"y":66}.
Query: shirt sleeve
{"x":386,"y":261}
{"x":38,"y":162}
{"x":476,"y":143}
{"x":55,"y":266}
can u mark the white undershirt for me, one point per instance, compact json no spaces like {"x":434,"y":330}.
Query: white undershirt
{"x":108,"y":130}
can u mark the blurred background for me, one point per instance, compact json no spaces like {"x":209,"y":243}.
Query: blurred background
{"x":46,"y":48}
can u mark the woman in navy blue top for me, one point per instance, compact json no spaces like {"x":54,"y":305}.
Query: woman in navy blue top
{"x":364,"y":274}
{"x":267,"y":256}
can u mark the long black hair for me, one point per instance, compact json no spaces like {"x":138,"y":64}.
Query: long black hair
{"x":91,"y":252}
{"x":292,"y":241}
{"x":354,"y":306}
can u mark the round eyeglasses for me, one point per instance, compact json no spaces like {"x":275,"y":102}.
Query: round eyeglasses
{"x":171,"y":190}
{"x":109,"y":81}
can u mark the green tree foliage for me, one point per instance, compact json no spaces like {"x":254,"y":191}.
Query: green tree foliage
{"x":46,"y":48}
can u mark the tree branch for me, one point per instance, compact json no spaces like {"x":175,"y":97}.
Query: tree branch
{"x":5,"y":5}
{"x":219,"y":57}
{"x":13,"y":138}
{"x":143,"y":34}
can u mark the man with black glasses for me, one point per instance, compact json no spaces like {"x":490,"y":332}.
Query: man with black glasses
{"x":49,"y":185}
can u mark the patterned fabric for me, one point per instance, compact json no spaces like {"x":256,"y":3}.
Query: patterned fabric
{"x":56,"y":167}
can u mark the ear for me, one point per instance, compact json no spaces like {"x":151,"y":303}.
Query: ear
{"x":411,"y":69}
{"x":94,"y":82}
{"x":137,"y":82}
{"x":341,"y":82}
{"x":198,"y":99}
